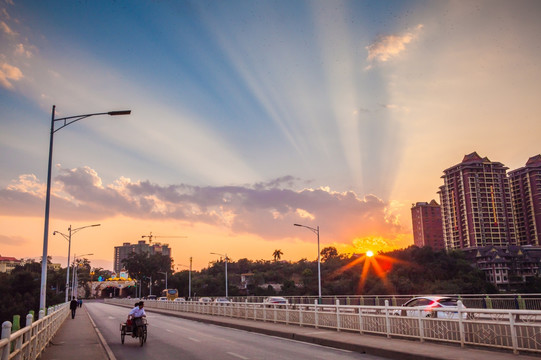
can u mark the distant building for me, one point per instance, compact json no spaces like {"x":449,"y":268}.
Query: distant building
{"x":476,"y":204}
{"x":7,"y":264}
{"x":525,"y":185}
{"x":427,"y":225}
{"x":506,"y":267}
{"x":122,"y":252}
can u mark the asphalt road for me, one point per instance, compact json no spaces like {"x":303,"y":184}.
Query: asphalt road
{"x":174,"y":338}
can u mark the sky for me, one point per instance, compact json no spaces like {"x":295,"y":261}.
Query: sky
{"x":250,"y":116}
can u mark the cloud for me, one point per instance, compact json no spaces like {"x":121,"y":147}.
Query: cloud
{"x":21,"y":50}
{"x":390,"y":46}
{"x":9,"y":73}
{"x":6,"y":29}
{"x":12,"y":240}
{"x":267,"y":210}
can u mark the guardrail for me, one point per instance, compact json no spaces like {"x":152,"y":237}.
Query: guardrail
{"x":516,"y":330}
{"x":30,"y":341}
{"x":483,"y":301}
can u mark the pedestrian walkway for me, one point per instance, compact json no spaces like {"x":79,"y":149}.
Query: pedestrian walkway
{"x":77,"y":339}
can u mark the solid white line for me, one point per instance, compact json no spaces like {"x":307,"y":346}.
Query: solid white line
{"x":194,"y":339}
{"x":237,"y":356}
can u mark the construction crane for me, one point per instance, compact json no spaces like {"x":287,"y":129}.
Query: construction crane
{"x":150,"y":237}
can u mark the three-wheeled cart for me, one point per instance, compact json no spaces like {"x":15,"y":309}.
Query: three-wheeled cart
{"x":137,"y":329}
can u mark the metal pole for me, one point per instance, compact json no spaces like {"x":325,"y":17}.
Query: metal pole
{"x":73,"y":277}
{"x":318,"y":265}
{"x":68,"y":266}
{"x":190,"y":280}
{"x":43,"y":288}
{"x":226,"y":287}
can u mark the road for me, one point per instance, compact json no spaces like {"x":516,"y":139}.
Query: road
{"x":173,"y":338}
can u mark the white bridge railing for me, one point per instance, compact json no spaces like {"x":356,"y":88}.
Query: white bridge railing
{"x":516,"y":330}
{"x":30,"y":341}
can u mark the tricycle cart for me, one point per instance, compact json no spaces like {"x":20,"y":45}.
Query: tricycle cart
{"x":137,"y":328}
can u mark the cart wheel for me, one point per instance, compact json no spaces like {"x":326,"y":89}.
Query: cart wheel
{"x":122,"y":335}
{"x":145,"y":334}
{"x":141,"y":335}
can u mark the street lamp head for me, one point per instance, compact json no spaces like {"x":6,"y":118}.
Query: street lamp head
{"x":120,"y":112}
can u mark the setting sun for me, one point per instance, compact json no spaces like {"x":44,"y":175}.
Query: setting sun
{"x":369,"y":253}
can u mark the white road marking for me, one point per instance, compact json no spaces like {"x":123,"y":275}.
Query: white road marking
{"x":194,"y":339}
{"x":111,"y":317}
{"x":169,"y":330}
{"x":237,"y":356}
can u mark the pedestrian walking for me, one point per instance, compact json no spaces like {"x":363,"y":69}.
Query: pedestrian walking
{"x":80,"y":302}
{"x":73,"y":306}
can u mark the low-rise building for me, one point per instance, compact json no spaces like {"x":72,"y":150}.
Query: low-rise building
{"x":506,"y":267}
{"x":7,"y":264}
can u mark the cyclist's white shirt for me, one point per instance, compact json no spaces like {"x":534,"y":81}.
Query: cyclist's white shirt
{"x":137,"y":312}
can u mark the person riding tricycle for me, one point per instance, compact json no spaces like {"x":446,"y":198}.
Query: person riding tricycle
{"x":136,"y":324}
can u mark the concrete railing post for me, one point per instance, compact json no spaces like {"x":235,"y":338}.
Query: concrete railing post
{"x":387,"y":319}
{"x":460,"y":323}
{"x":337,"y":315}
{"x":6,"y":334}
{"x":316,"y":315}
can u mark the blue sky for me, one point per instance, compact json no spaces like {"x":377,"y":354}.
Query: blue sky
{"x":248,"y":116}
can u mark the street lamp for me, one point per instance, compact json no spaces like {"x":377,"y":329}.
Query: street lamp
{"x":165,"y":273}
{"x":189,"y":278}
{"x":75,"y":278}
{"x":68,"y":237}
{"x":67,"y":121}
{"x":225,"y":257}
{"x":316,"y":231}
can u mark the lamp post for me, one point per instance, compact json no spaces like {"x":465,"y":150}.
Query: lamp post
{"x":66,"y":121}
{"x":189,"y":278}
{"x":226,"y":286}
{"x":316,"y":231}
{"x":75,"y":278}
{"x":165,"y":273}
{"x":68,"y":237}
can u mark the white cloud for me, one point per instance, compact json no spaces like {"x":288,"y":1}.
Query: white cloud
{"x":6,"y":29}
{"x":266,"y":210}
{"x":390,"y":46}
{"x":21,"y":50}
{"x":9,"y":73}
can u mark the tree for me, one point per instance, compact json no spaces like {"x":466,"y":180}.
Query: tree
{"x":328,"y":253}
{"x":277,"y":254}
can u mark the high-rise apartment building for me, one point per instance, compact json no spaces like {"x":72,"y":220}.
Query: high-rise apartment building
{"x":525,"y":185}
{"x":122,"y":252}
{"x":427,"y":225}
{"x":476,"y":204}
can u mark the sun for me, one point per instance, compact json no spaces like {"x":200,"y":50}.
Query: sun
{"x":369,"y":253}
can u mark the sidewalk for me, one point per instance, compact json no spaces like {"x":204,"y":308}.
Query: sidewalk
{"x":77,"y":339}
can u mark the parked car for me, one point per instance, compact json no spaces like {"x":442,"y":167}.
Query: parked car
{"x":276,"y":300}
{"x":163,"y":298}
{"x":150,"y":297}
{"x":222,"y":300}
{"x":180,"y":299}
{"x":205,"y":300}
{"x":428,"y":305}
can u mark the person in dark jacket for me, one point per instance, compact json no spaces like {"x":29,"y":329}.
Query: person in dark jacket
{"x":73,"y":306}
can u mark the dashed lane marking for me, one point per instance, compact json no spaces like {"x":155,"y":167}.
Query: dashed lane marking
{"x":237,"y":356}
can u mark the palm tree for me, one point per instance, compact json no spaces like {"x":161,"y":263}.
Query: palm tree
{"x":277,"y":254}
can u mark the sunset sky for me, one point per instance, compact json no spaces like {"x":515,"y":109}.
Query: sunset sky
{"x":250,"y":116}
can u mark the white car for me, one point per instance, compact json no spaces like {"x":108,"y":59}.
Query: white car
{"x":205,"y":300}
{"x":222,"y":300}
{"x":278,"y":300}
{"x":427,"y":307}
{"x":180,"y":299}
{"x":163,"y":298}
